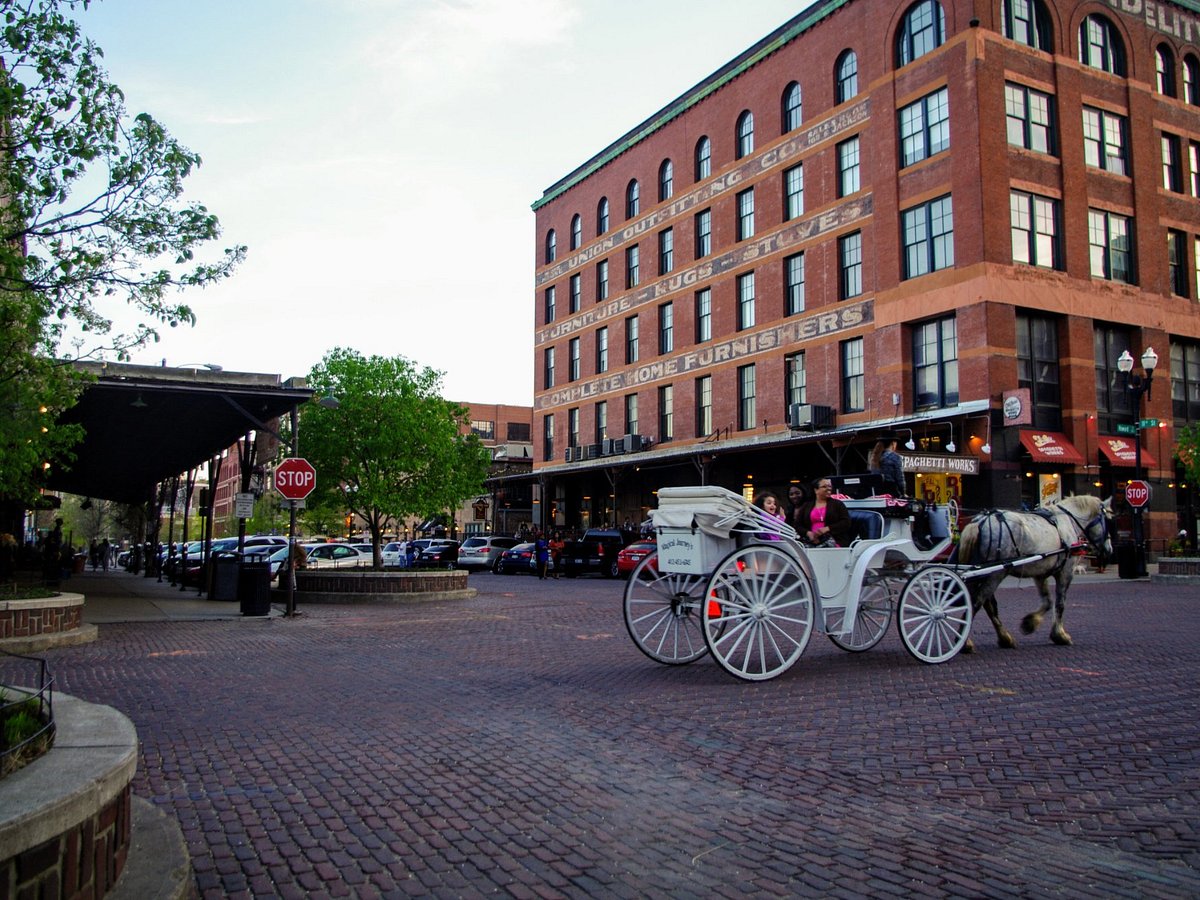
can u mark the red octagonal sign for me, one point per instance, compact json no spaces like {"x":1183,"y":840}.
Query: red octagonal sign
{"x":1137,"y":493}
{"x":295,"y":478}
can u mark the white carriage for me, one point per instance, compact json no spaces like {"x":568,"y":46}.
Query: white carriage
{"x":728,"y":580}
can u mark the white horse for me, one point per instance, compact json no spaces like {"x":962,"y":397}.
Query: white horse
{"x":1057,"y":530}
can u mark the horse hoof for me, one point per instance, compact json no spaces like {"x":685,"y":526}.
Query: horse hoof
{"x":1030,"y":623}
{"x":1061,"y":638}
{"x":1006,"y":642}
{"x":968,"y":647}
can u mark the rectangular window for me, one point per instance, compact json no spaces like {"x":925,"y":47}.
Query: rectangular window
{"x":1034,"y":224}
{"x":745,"y":307}
{"x":935,"y":363}
{"x":853,"y":376}
{"x":850,"y":262}
{"x":1172,"y":163}
{"x":548,"y":437}
{"x":793,"y":282}
{"x":1030,"y":123}
{"x":1113,"y":405}
{"x":848,"y":167}
{"x":745,"y":210}
{"x":550,"y":304}
{"x":631,"y":413}
{"x":703,"y":233}
{"x":1177,"y":266}
{"x":1037,"y":368}
{"x":484,"y":428}
{"x":704,"y":408}
{"x":632,"y":264}
{"x":795,"y":379}
{"x":602,"y":280}
{"x":666,"y":413}
{"x":666,"y":328}
{"x":666,"y":251}
{"x":576,"y":293}
{"x":703,"y":315}
{"x":1104,"y":140}
{"x":631,"y":340}
{"x":548,"y":368}
{"x":1194,"y":168}
{"x":573,"y":427}
{"x":928,"y":237}
{"x":1196,"y":257}
{"x":573,"y":360}
{"x":793,"y":192}
{"x":1111,"y":239}
{"x":1185,"y":381}
{"x":924,"y":128}
{"x":518,"y":432}
{"x":601,"y":421}
{"x":602,"y":349}
{"x":747,"y":404}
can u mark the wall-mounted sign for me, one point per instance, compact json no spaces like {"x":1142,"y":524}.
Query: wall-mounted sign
{"x":1017,"y":408}
{"x":940,"y":462}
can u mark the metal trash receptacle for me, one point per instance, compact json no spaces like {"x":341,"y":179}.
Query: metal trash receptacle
{"x":1127,"y":561}
{"x":254,"y":585}
{"x":224,"y":577}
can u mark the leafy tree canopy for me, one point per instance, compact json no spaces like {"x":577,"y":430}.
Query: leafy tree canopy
{"x":393,"y":447}
{"x":1187,"y":451}
{"x":91,"y":221}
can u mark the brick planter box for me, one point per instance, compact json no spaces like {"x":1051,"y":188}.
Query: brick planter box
{"x":351,"y":586}
{"x":28,"y":626}
{"x":1178,"y":569}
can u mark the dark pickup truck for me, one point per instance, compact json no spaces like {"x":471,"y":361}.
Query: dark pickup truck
{"x":596,"y":552}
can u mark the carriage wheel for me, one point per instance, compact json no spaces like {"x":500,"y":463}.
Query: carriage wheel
{"x":759,"y":612}
{"x":935,"y":614}
{"x":871,"y":622}
{"x":662,"y":613}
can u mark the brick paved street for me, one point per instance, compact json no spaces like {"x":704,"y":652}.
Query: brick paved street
{"x":519,"y":744}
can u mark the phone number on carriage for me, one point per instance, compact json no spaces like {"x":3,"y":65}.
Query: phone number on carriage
{"x":961,"y":465}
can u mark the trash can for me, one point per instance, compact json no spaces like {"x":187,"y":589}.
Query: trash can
{"x":254,"y":585}
{"x":224,"y":577}
{"x":1127,"y":561}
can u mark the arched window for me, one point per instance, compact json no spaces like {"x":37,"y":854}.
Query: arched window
{"x":576,"y":232}
{"x":666,"y":180}
{"x":791,"y":108}
{"x":1164,"y":70}
{"x":703,"y":158}
{"x":602,"y":216}
{"x":846,"y":77}
{"x":551,"y":246}
{"x":1028,"y":22}
{"x":1191,"y":80}
{"x":745,"y":134}
{"x":633,"y":199}
{"x":1100,"y":46}
{"x":923,"y":29}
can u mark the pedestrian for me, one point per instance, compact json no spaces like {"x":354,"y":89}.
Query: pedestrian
{"x":51,"y":550}
{"x":105,"y":553}
{"x":556,"y":548}
{"x":541,"y":548}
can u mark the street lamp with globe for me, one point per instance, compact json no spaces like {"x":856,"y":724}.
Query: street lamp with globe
{"x":1138,"y":386}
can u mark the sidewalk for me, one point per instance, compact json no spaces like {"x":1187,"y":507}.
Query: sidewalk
{"x":118,"y":596}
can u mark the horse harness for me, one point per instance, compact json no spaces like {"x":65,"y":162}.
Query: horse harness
{"x":1064,"y":552}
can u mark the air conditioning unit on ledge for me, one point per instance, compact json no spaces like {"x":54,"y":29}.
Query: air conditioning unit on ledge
{"x":809,"y":417}
{"x":572,"y":454}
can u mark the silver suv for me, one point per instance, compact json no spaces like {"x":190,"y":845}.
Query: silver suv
{"x":483,"y":552}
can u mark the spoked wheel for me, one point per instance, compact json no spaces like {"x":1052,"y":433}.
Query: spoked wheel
{"x":935,"y":614}
{"x":662,"y":613}
{"x":759,"y":612}
{"x":870,"y":622}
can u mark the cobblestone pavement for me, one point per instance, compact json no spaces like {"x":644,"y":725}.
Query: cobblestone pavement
{"x":519,"y":744}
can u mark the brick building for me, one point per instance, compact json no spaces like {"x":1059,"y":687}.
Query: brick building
{"x":945,"y":220}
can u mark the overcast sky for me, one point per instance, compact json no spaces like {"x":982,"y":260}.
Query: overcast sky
{"x":379,"y":158}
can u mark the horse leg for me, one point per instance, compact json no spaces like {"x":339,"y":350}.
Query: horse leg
{"x":1058,"y":634}
{"x":987,"y":599}
{"x":1030,"y":623}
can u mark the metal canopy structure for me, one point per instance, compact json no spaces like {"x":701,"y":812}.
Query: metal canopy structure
{"x":145,"y":424}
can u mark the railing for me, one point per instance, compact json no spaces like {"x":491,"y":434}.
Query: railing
{"x":14,"y":700}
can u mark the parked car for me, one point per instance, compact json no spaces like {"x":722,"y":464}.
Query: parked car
{"x":596,"y":552}
{"x":518,"y":560}
{"x":337,"y":556}
{"x":483,"y":552}
{"x":391,"y":554}
{"x":628,"y":558}
{"x":441,"y":553}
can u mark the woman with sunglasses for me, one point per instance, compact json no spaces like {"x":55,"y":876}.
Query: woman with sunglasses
{"x":825,"y":521}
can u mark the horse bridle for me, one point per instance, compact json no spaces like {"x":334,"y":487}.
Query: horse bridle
{"x":1101,"y":519}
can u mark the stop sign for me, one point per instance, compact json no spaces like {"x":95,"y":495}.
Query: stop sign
{"x":295,"y":478}
{"x":1137,"y":493}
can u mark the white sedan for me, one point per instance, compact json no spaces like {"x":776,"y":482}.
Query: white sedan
{"x":337,"y":556}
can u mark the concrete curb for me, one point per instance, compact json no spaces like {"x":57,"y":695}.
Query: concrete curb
{"x":84,"y":634}
{"x":158,"y":867}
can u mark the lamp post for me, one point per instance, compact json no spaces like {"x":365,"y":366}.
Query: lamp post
{"x":1138,"y":386}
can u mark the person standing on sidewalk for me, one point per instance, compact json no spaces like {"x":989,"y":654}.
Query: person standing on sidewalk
{"x":541,"y":550}
{"x":556,"y":548}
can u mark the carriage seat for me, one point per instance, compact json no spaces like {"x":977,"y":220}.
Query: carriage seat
{"x":866,"y":525}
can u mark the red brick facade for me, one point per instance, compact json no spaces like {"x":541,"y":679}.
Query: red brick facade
{"x":985,"y":292}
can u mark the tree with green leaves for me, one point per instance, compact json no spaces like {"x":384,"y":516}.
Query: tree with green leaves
{"x":92,"y":221}
{"x":1187,"y":451}
{"x":393,"y":447}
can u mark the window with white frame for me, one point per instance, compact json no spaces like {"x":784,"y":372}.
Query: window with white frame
{"x":703,"y":315}
{"x":666,"y":413}
{"x":576,"y":293}
{"x":1100,"y":45}
{"x":573,"y":427}
{"x":793,"y":284}
{"x":1110,"y":238}
{"x":925,"y":127}
{"x":548,"y":368}
{"x":745,"y":213}
{"x":631,"y":340}
{"x":745,"y":306}
{"x":854,"y":398}
{"x":704,"y":406}
{"x":551,"y":246}
{"x":848,"y":167}
{"x":633,"y":259}
{"x":795,"y":379}
{"x":850,"y":263}
{"x":631,"y":413}
{"x":793,"y":192}
{"x":922,"y":30}
{"x":745,"y":134}
{"x":576,"y":231}
{"x":846,"y":76}
{"x":573,"y":360}
{"x":1028,"y":22}
{"x":703,"y":158}
{"x":551,"y":304}
{"x":1104,"y":140}
{"x":602,"y":349}
{"x":666,"y":180}
{"x":792,"y":110}
{"x":601,"y":421}
{"x":703,"y":233}
{"x":1035,"y":228}
{"x":666,"y":328}
{"x":633,"y":199}
{"x":602,"y":280}
{"x":602,"y":216}
{"x":747,"y":398}
{"x":1030,"y":118}
{"x":666,"y":251}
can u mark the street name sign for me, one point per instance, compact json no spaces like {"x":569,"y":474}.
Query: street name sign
{"x":1126,"y":428}
{"x":295,"y":478}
